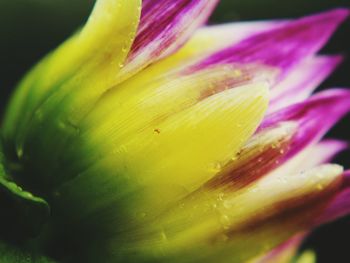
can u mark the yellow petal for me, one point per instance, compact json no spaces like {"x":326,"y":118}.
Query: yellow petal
{"x":191,"y":146}
{"x":204,"y":42}
{"x":258,"y":217}
{"x":138,"y":105}
{"x":187,"y":149}
{"x":97,"y":51}
{"x":279,"y":188}
{"x":259,"y":155}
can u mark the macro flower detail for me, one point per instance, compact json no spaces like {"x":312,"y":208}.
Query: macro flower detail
{"x":149,"y":136}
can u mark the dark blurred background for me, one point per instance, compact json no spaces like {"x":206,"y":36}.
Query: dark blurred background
{"x":31,"y":28}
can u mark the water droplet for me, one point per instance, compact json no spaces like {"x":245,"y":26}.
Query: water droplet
{"x":125,"y":48}
{"x":163,"y":235}
{"x":225,"y":221}
{"x":120,"y":150}
{"x":221,"y":196}
{"x":216,"y":167}
{"x":237,"y":73}
{"x":254,"y":189}
{"x":320,"y":187}
{"x":226,"y":205}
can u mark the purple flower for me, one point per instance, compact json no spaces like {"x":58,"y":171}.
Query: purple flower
{"x":156,"y":138}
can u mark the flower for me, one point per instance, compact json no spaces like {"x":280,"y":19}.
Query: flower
{"x":154,"y":138}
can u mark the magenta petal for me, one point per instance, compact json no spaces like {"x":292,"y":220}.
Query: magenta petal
{"x":233,"y":33}
{"x":285,"y":46}
{"x":302,"y":81}
{"x":311,"y":119}
{"x":165,"y":26}
{"x":328,"y":149}
{"x":314,"y":116}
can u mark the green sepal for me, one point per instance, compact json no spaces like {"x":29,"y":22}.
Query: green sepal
{"x":22,"y":213}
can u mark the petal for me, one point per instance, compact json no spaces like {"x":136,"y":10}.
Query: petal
{"x":316,"y":155}
{"x":314,"y":116}
{"x":215,"y":37}
{"x":173,"y":70}
{"x":284,"y":253}
{"x":302,"y":81}
{"x":327,"y":149}
{"x":261,"y":154}
{"x":280,"y":188}
{"x":211,"y":39}
{"x":339,"y":206}
{"x":205,"y":41}
{"x":142,"y":105}
{"x":165,"y":26}
{"x":270,"y":148}
{"x":61,"y":113}
{"x":168,"y":162}
{"x":292,"y":211}
{"x":287,"y":45}
{"x":92,"y":54}
{"x":231,"y":116}
{"x":259,"y":217}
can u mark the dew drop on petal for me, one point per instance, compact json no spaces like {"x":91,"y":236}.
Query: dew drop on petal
{"x":216,"y":167}
{"x":320,"y":187}
{"x":163,"y":235}
{"x":225,"y":221}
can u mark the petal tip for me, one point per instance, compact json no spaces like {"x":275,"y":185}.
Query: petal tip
{"x":341,"y":13}
{"x":334,"y":16}
{"x":337,"y":145}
